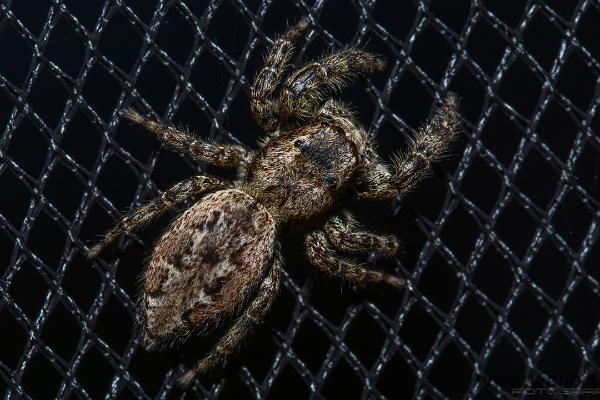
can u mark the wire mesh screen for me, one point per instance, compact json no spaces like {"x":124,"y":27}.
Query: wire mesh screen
{"x":499,"y":245}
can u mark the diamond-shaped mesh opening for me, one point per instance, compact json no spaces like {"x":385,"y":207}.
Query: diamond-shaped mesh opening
{"x":499,"y":246}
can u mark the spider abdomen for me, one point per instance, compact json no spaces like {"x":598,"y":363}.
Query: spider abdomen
{"x":206,"y":265}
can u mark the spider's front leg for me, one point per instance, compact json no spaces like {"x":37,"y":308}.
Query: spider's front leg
{"x":225,"y":155}
{"x":323,"y":257}
{"x":250,"y":317}
{"x":196,"y":185}
{"x":375,"y":181}
{"x":303,"y":92}
{"x":264,"y":109}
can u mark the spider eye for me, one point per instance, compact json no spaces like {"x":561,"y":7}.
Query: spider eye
{"x":331,"y":181}
{"x":301,"y":144}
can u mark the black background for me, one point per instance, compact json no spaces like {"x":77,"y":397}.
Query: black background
{"x":498,"y":245}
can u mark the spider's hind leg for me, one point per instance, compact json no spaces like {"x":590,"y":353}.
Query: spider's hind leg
{"x":225,"y":155}
{"x":306,"y":88}
{"x":196,"y":185}
{"x":249,"y":318}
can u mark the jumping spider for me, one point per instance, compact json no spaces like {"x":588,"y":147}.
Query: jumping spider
{"x":220,"y":258}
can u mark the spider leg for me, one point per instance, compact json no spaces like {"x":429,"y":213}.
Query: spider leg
{"x":306,"y":88}
{"x":196,"y":185}
{"x":337,"y":112}
{"x":262,"y":106}
{"x":226,"y":155}
{"x":410,"y":167}
{"x":323,"y":257}
{"x":343,"y":234}
{"x":250,"y":317}
{"x":334,"y":109}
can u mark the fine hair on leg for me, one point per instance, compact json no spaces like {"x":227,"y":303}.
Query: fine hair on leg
{"x":224,"y":155}
{"x":263,"y":108}
{"x":429,"y":145}
{"x":305,"y":89}
{"x":243,"y":325}
{"x":195,"y":185}
{"x":324,"y":258}
{"x":342,"y":232}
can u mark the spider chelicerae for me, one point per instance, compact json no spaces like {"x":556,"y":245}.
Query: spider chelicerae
{"x":220,"y":259}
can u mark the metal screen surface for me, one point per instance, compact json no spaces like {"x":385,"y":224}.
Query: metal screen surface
{"x":499,"y":244}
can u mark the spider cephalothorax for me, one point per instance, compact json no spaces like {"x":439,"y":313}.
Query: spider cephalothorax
{"x":220,"y":259}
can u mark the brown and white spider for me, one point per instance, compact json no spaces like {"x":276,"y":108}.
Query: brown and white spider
{"x":220,"y":259}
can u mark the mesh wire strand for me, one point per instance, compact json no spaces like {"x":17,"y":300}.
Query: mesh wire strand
{"x":499,"y":251}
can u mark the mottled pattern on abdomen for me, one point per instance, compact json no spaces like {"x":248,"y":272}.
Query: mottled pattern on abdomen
{"x":206,"y":265}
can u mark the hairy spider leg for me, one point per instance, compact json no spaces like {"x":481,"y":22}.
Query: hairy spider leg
{"x":224,"y":155}
{"x":324,"y":258}
{"x":305,"y":89}
{"x":410,"y":167}
{"x":195,"y":185}
{"x":342,"y":233}
{"x":262,"y":106}
{"x":244,"y":324}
